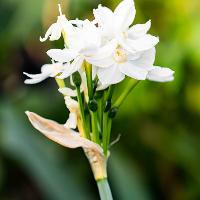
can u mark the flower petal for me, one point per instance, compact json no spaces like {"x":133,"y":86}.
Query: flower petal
{"x":139,"y":30}
{"x":133,"y":71}
{"x":161,"y":74}
{"x":104,"y":56}
{"x":71,"y":68}
{"x":53,"y":29}
{"x":145,"y":60}
{"x":62,"y":56}
{"x":104,"y":17}
{"x":35,"y":78}
{"x":142,"y":44}
{"x":110,"y":75}
{"x":68,"y":92}
{"x":72,"y":121}
{"x":124,"y":15}
{"x":102,"y":87}
{"x":60,"y":134}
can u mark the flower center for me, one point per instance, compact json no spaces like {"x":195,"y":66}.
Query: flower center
{"x":120,"y":55}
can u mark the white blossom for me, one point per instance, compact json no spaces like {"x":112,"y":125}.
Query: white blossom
{"x":81,"y":45}
{"x":114,"y":63}
{"x":116,"y":25}
{"x":62,"y":26}
{"x":48,"y":70}
{"x":111,"y":44}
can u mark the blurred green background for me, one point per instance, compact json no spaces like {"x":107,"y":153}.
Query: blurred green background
{"x":158,"y":156}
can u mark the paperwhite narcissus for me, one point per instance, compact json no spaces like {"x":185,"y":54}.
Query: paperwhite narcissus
{"x":116,"y":25}
{"x":110,"y":44}
{"x":114,"y":63}
{"x":48,"y":70}
{"x":81,"y":45}
{"x":55,"y":31}
{"x":102,"y":52}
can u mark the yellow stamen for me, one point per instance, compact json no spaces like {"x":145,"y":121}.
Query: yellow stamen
{"x":120,"y":55}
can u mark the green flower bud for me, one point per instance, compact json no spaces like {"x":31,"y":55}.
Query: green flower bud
{"x":93,"y":106}
{"x":108,"y":106}
{"x":112,"y":113}
{"x":77,"y":79}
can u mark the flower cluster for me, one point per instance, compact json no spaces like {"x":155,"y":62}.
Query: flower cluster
{"x":96,"y":56}
{"x":110,"y":43}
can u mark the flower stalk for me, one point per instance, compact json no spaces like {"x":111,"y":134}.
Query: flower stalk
{"x":104,"y":189}
{"x":80,"y":101}
{"x":129,"y":86}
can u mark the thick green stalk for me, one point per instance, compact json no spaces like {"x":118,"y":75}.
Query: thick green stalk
{"x":86,"y":132}
{"x":95,"y":131}
{"x":130,"y":85}
{"x":105,"y":132}
{"x":100,"y":112}
{"x":104,"y":189}
{"x":107,"y":121}
{"x":108,"y":132}
{"x":94,"y":117}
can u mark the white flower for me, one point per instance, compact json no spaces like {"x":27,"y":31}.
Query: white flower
{"x":73,"y":107}
{"x":48,"y":70}
{"x":62,"y":26}
{"x":160,"y":74}
{"x":114,"y":63}
{"x":116,"y":25}
{"x":82,"y":44}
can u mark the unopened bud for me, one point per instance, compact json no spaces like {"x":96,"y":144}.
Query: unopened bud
{"x":76,"y":79}
{"x":108,"y":106}
{"x":93,"y":106}
{"x":112,"y":113}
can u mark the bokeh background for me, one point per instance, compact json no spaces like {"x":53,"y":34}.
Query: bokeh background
{"x":158,"y":156}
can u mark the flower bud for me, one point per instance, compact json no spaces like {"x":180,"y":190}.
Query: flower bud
{"x":93,"y":106}
{"x":112,"y":113}
{"x":108,"y":106}
{"x":76,"y":79}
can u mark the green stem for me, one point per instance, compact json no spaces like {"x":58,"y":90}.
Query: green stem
{"x":86,"y":132}
{"x":108,"y":132}
{"x":107,"y":122}
{"x":104,"y":132}
{"x":60,"y":82}
{"x":100,"y":111}
{"x":130,"y":85}
{"x":95,"y":131}
{"x":104,"y":189}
